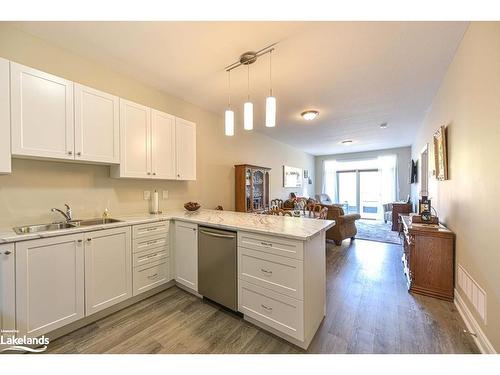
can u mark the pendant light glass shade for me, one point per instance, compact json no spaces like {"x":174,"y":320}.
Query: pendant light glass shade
{"x":229,"y":123}
{"x":270,"y":112}
{"x":248,"y":116}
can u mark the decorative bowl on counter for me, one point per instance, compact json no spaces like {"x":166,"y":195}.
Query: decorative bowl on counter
{"x":192,"y":206}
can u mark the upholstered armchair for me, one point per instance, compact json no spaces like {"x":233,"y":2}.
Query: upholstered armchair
{"x":345,"y":225}
{"x":323,"y":199}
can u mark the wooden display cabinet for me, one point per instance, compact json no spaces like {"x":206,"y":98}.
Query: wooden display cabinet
{"x":252,"y":188}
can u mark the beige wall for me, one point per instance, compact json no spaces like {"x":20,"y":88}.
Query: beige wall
{"x":468,"y":102}
{"x":35,"y":186}
{"x":403,"y":154}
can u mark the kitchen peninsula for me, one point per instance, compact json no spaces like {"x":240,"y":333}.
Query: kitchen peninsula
{"x":98,"y":269}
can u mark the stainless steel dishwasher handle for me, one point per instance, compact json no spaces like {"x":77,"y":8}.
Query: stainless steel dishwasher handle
{"x":217,"y":234}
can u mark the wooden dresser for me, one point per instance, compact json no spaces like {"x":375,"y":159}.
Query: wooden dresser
{"x":429,"y":259}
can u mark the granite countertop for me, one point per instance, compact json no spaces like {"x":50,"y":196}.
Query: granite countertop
{"x":284,"y":226}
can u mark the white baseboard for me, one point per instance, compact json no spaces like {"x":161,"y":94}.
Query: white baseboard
{"x":480,"y":339}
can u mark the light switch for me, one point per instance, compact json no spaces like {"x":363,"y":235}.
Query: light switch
{"x":164,"y":194}
{"x":147,"y":195}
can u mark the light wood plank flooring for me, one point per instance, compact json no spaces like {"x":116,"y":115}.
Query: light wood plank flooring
{"x":368,"y":311}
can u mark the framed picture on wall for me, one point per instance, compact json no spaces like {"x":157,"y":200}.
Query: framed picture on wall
{"x":440,"y":154}
{"x":292,"y":177}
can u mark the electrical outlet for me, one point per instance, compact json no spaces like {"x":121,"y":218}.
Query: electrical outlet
{"x":164,"y":194}
{"x":147,"y":195}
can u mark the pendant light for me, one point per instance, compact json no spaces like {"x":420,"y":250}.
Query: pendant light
{"x":229,"y":114}
{"x":248,"y":106}
{"x":270,"y":100}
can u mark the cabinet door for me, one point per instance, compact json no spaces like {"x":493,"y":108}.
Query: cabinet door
{"x":186,"y":254}
{"x":185,"y":135}
{"x":7,"y":288}
{"x":49,"y":283}
{"x":4,"y":117}
{"x":108,"y":268}
{"x":162,"y":145}
{"x":135,"y":126}
{"x":97,"y":126}
{"x":42,"y":114}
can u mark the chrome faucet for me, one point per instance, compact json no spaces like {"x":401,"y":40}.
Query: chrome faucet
{"x":67,"y":215}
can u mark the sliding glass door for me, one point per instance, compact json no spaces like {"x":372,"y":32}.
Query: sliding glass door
{"x":347,"y":191}
{"x":359,"y":192}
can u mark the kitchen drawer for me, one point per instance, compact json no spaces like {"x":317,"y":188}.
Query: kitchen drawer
{"x":280,"y":274}
{"x":148,"y":243}
{"x":280,"y":312}
{"x":149,"y":276}
{"x":150,"y":229}
{"x":150,"y":256}
{"x":272,"y":244}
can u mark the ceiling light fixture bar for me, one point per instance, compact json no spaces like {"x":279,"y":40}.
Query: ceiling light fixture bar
{"x":250,"y":57}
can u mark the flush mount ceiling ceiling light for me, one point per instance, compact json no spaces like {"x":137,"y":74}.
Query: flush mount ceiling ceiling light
{"x":309,"y":115}
{"x":347,"y":142}
{"x":383,"y":125}
{"x":247,"y":59}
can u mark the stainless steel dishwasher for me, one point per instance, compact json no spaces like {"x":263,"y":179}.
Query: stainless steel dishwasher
{"x":217,"y":266}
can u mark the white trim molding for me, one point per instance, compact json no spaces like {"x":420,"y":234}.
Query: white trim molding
{"x":472,"y":325}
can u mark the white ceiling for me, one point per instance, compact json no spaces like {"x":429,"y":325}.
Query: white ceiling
{"x":357,"y":74}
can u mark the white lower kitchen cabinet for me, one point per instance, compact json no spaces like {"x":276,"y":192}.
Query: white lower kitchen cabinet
{"x":5,"y":163}
{"x":281,"y":285}
{"x":108,"y":268}
{"x":151,"y":256}
{"x":7,"y":288}
{"x":186,"y":254}
{"x":49,"y":283}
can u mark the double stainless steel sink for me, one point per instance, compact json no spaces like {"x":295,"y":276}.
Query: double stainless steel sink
{"x":65,"y":225}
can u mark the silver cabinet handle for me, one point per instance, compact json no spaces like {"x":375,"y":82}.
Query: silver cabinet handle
{"x":151,"y":229}
{"x":268,"y":244}
{"x":266,"y":307}
{"x":7,"y":252}
{"x":268,"y":272}
{"x":216,"y":234}
{"x":153,"y":276}
{"x":152,"y":242}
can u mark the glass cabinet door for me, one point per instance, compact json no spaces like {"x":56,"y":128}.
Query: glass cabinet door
{"x":258,"y":190}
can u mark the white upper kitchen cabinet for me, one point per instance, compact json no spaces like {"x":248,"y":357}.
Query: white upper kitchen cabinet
{"x":97,"y":126}
{"x":7,"y":288}
{"x":42,"y":121}
{"x":108,"y":268}
{"x":49,"y":283}
{"x":185,"y":135}
{"x":186,"y":254}
{"x":5,"y":164}
{"x":135,"y":146}
{"x":162,"y":145}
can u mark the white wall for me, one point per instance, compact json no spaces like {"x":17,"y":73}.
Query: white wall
{"x":403,"y":155}
{"x":468,"y":102}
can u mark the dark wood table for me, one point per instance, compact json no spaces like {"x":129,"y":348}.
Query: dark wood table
{"x":399,"y":208}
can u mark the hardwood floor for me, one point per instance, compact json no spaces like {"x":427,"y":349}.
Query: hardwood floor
{"x":368,"y":311}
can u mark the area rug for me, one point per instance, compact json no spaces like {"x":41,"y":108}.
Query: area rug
{"x":374,"y":230}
